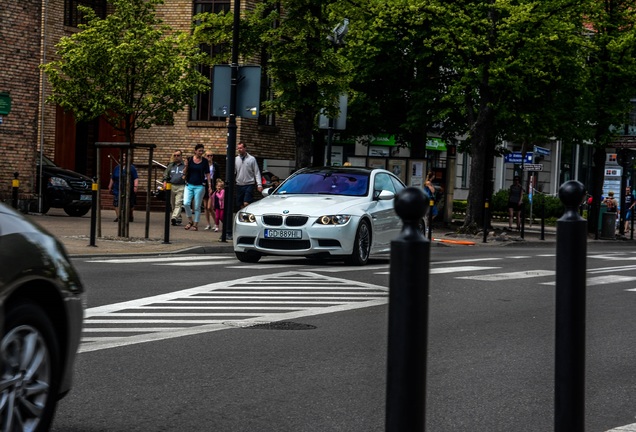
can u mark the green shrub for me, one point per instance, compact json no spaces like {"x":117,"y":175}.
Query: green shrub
{"x":499,"y":205}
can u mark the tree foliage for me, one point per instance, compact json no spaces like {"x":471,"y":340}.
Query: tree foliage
{"x":128,"y":67}
{"x":307,"y":72}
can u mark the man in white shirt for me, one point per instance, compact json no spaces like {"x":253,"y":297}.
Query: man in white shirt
{"x":247,"y":174}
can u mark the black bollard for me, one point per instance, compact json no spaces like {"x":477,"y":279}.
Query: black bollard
{"x":486,"y":208}
{"x":543,"y":218}
{"x":93,"y":212}
{"x":166,"y":226}
{"x":429,"y":215}
{"x":522,"y":231}
{"x":571,"y":253}
{"x":408,"y":317}
{"x":15,"y":186}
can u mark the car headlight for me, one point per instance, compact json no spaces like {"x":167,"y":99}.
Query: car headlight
{"x":59,"y":182}
{"x":333,"y":219}
{"x":246,"y":217}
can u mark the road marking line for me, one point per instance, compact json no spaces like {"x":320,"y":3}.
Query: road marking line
{"x":602,"y":280}
{"x":626,"y":428}
{"x":460,"y":269}
{"x":465,"y":261}
{"x":510,"y":276}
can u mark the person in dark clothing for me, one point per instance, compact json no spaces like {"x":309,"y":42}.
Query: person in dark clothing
{"x":515,"y":201}
{"x":197,"y":178}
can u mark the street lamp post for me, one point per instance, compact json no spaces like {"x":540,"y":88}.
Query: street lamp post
{"x":231,"y":127}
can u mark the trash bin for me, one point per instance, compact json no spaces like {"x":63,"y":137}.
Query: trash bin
{"x":602,"y":211}
{"x":608,"y":230}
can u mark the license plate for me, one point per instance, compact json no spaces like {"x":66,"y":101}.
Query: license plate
{"x":86,"y":197}
{"x":283,"y":234}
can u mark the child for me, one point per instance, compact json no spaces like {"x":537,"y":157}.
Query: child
{"x":218,"y":203}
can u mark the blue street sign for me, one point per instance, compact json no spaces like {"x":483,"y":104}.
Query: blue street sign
{"x":542,"y":151}
{"x":516,"y":157}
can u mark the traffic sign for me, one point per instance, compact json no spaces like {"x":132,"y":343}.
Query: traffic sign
{"x":5,"y":103}
{"x":542,"y":151}
{"x":517,"y":157}
{"x":533,"y":167}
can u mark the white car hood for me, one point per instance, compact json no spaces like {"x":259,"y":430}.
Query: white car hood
{"x":315,"y":205}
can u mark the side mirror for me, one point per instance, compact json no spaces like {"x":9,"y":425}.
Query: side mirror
{"x":385,"y":195}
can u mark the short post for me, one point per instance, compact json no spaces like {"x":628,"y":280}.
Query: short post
{"x":408,"y":317}
{"x":429,"y":215}
{"x":571,"y":249}
{"x":631,"y":225}
{"x":15,"y":187}
{"x":523,"y":220}
{"x":543,"y":218}
{"x":486,"y":209}
{"x":93,"y":212}
{"x":166,"y":226}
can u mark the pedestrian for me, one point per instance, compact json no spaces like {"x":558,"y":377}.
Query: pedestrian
{"x":247,"y":174}
{"x":515,"y":201}
{"x":429,"y":191}
{"x":611,"y":203}
{"x":629,"y":205}
{"x":207,"y":199}
{"x":174,"y":175}
{"x":115,"y":186}
{"x":218,"y":203}
{"x":197,"y":178}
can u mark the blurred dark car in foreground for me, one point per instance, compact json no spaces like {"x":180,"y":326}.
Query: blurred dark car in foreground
{"x":41,"y":313}
{"x":64,"y":189}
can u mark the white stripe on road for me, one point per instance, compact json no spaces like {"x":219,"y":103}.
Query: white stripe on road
{"x":465,"y":261}
{"x":602,"y":280}
{"x":510,"y":276}
{"x":626,"y":428}
{"x":453,"y":269}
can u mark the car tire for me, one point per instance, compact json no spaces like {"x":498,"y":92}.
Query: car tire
{"x":30,"y":370}
{"x":76,"y":211}
{"x":247,"y":257}
{"x":361,"y":245}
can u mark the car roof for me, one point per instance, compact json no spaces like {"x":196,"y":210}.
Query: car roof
{"x":337,"y":169}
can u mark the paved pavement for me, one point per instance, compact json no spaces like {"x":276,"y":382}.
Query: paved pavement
{"x":75,"y":234}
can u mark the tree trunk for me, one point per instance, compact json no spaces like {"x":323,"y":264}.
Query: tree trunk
{"x":303,"y":128}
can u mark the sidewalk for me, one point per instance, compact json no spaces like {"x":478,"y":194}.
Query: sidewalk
{"x":75,"y":232}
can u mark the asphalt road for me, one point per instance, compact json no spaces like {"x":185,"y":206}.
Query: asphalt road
{"x":490,"y":358}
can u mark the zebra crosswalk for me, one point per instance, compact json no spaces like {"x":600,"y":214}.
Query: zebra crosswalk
{"x":297,"y":292}
{"x":219,"y":306}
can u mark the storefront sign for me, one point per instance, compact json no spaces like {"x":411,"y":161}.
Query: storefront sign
{"x":5,"y":103}
{"x":436,"y":144}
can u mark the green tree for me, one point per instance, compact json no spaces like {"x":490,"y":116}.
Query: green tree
{"x":483,"y":71}
{"x":610,"y":81}
{"x":307,"y":72}
{"x":129,"y":68}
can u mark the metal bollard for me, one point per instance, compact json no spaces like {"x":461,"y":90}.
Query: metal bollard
{"x":429,"y":215}
{"x":16,"y":186}
{"x":94,"y":189}
{"x":571,"y":252}
{"x":166,"y":227}
{"x":543,"y":218}
{"x":408,"y":317}
{"x":486,"y":208}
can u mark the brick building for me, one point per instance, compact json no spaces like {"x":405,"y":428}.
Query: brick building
{"x":28,"y":25}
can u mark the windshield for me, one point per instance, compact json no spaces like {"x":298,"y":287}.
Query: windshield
{"x":326,"y":182}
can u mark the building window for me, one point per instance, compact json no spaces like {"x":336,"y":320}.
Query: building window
{"x":201,"y":108}
{"x":73,"y":17}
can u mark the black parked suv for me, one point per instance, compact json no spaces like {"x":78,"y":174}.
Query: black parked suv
{"x":64,"y":189}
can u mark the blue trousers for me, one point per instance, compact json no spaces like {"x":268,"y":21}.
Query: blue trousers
{"x":193,"y":192}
